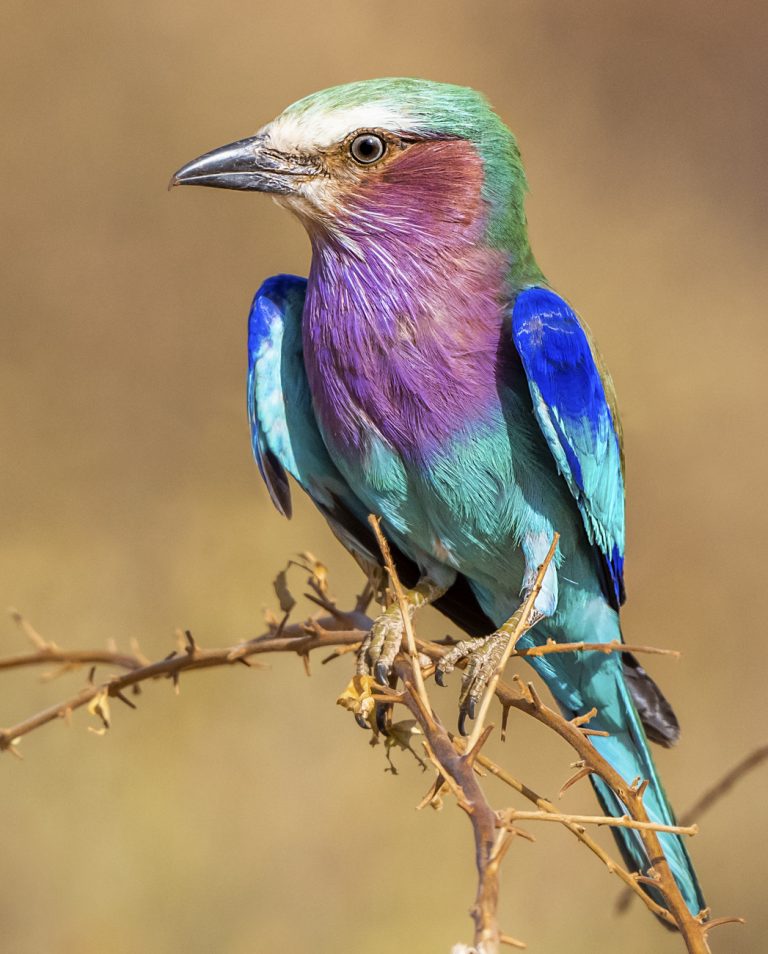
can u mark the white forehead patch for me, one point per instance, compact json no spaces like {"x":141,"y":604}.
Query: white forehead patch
{"x":322,"y":127}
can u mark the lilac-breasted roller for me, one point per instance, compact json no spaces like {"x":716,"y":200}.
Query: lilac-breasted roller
{"x":427,"y":372}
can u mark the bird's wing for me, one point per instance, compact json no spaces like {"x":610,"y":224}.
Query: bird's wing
{"x":278,"y":299}
{"x":286,"y":440}
{"x":284,"y":432}
{"x":575,"y":406}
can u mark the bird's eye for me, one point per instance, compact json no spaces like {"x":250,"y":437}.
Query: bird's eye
{"x":367,"y":148}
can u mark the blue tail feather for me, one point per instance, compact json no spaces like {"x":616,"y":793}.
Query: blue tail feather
{"x":627,"y":751}
{"x":597,"y":681}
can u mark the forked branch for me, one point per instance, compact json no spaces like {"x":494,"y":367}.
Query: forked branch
{"x":457,"y":760}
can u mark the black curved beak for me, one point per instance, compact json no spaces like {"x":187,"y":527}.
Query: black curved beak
{"x":246,"y":164}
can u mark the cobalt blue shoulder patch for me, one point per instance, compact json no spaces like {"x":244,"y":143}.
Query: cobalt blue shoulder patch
{"x":572,"y":410}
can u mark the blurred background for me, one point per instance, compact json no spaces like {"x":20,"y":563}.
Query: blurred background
{"x":250,"y":813}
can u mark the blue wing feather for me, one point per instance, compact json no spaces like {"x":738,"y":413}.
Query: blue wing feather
{"x":266,"y":412}
{"x":575,"y":416}
{"x":284,"y":432}
{"x":285,"y":435}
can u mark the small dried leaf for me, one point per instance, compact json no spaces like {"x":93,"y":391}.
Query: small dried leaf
{"x":286,"y":600}
{"x":357,"y":697}
{"x":318,"y":570}
{"x":401,"y":733}
{"x":99,"y":707}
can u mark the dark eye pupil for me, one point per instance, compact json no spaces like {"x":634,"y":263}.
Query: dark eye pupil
{"x":367,"y":148}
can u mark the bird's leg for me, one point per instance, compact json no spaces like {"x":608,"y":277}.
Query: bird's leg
{"x":381,"y":645}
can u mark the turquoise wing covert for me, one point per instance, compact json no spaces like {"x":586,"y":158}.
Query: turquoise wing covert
{"x":575,"y":410}
{"x":279,"y":299}
{"x":284,"y":433}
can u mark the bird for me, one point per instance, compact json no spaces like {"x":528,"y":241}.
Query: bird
{"x":427,"y":372}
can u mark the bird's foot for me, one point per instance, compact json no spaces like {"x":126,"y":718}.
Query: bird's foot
{"x":483,"y":655}
{"x":376,"y":655}
{"x":381,"y":645}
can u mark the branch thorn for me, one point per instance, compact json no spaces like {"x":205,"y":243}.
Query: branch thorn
{"x":582,"y":773}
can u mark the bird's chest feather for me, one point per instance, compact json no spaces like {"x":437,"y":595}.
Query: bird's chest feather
{"x":414,"y":388}
{"x":397,"y":359}
{"x":413,"y":373}
{"x":405,"y":304}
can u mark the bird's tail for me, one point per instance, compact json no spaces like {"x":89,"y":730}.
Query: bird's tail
{"x":626,"y":749}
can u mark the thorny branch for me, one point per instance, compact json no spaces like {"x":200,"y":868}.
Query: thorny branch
{"x":711,"y":797}
{"x":458,"y":761}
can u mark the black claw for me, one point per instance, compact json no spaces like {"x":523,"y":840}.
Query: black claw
{"x":382,"y":712}
{"x":471,"y":707}
{"x":360,"y":720}
{"x":381,"y":673}
{"x":440,"y":677}
{"x":462,"y":721}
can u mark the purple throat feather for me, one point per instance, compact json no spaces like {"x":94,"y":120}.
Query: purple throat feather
{"x":405,"y":306}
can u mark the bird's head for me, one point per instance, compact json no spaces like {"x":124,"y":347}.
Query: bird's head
{"x":381,"y":157}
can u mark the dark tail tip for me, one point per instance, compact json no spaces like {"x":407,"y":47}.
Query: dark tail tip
{"x":656,"y":714}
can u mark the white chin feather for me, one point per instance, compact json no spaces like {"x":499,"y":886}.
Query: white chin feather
{"x":320,"y":128}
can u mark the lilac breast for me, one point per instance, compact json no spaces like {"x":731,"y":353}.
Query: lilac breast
{"x":405,"y":308}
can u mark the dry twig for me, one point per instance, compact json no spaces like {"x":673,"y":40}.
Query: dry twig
{"x":524,"y":623}
{"x":709,"y":798}
{"x":456,"y":760}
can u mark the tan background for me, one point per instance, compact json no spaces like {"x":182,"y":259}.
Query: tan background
{"x":250,"y":814}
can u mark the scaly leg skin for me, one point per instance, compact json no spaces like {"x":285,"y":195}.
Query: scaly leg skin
{"x":382,"y":644}
{"x":483,"y":656}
